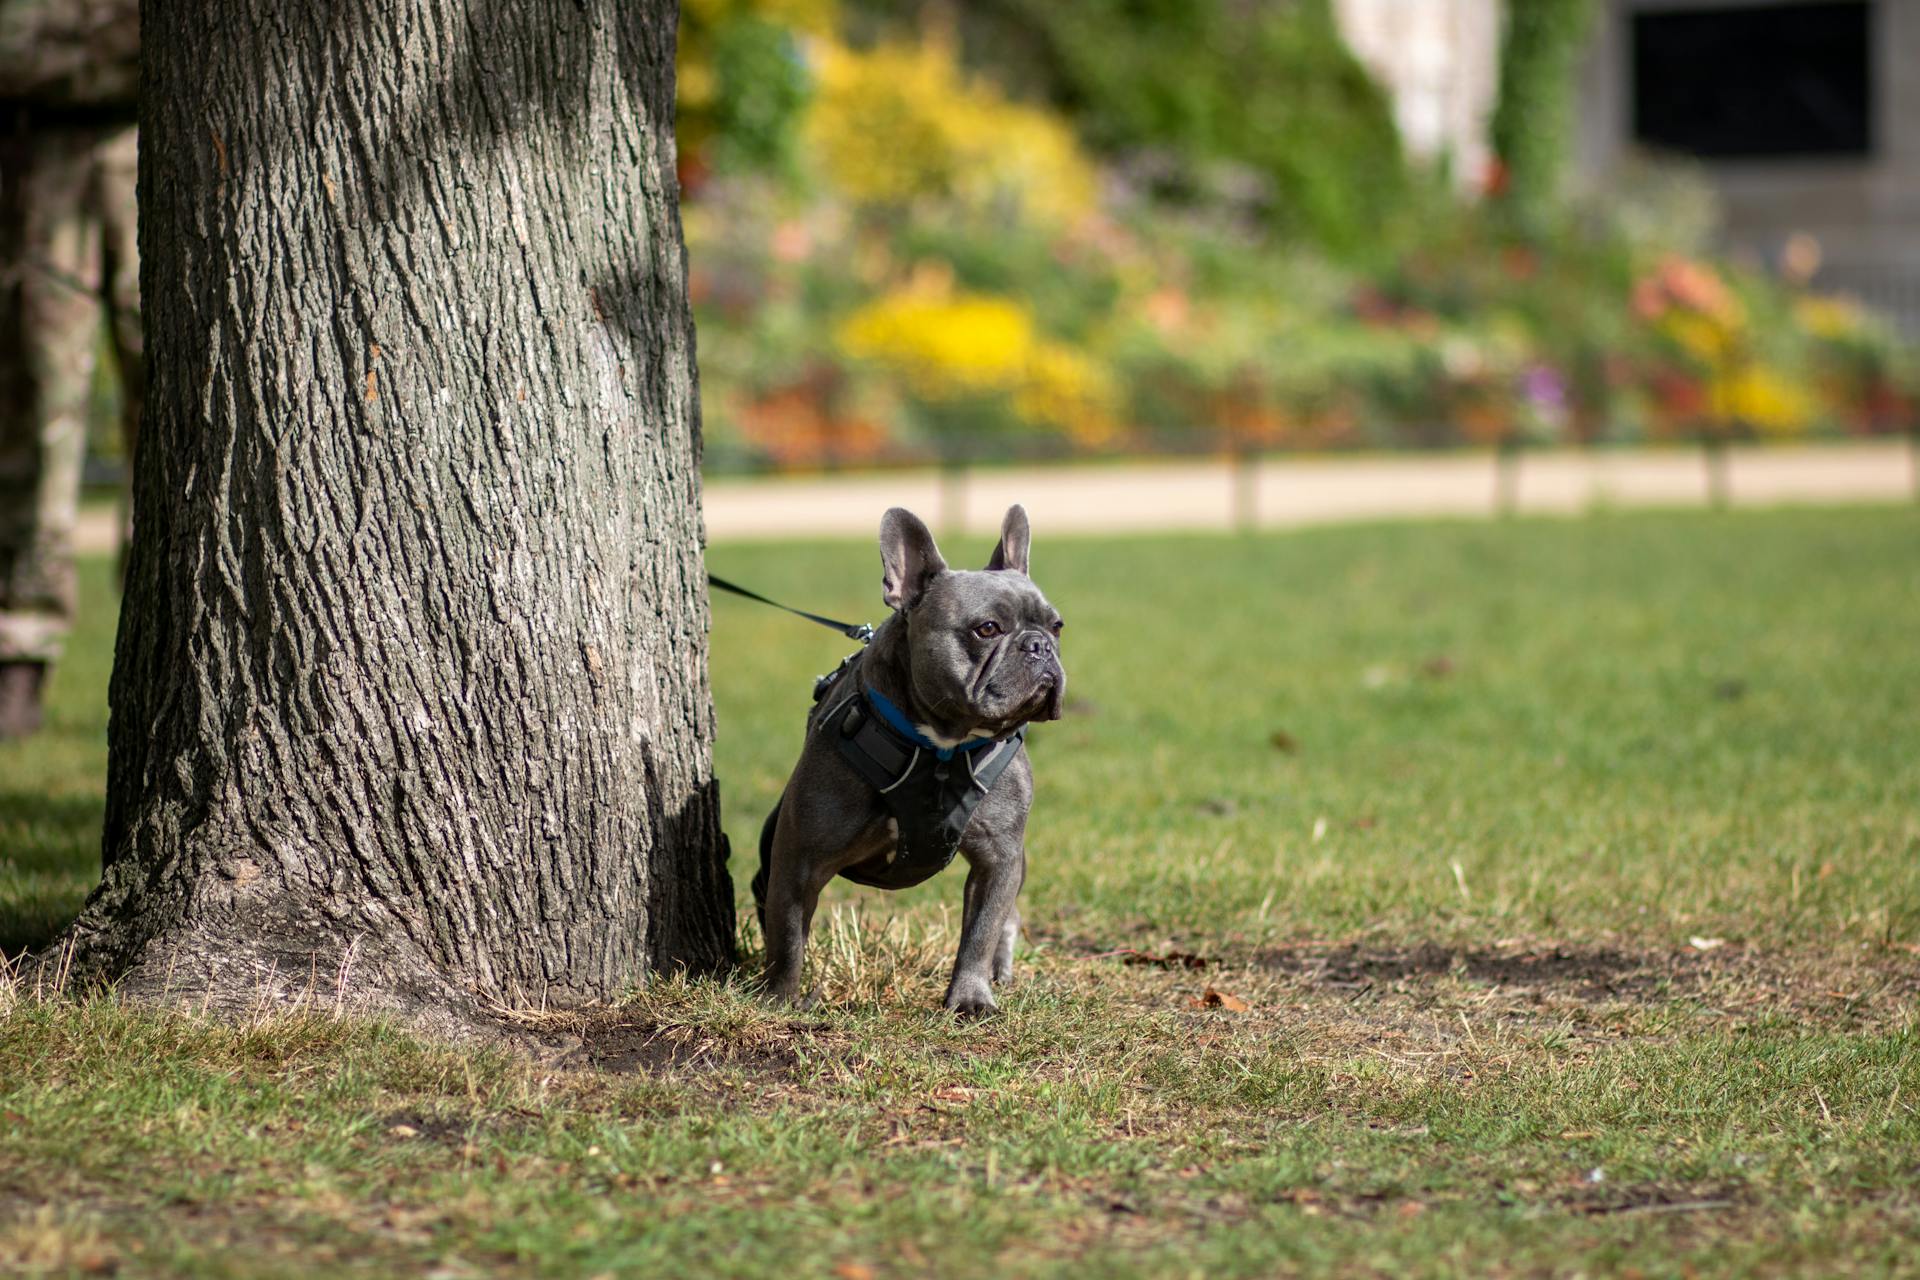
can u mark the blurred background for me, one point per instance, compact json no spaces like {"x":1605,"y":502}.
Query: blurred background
{"x":1408,"y":238}
{"x":996,"y":231}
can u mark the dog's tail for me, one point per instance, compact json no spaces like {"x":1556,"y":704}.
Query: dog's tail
{"x":761,"y":876}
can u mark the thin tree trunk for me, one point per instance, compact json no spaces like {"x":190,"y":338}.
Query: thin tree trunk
{"x":1719,"y":471}
{"x":1243,"y":476}
{"x":410,"y":707}
{"x":1506,"y":477}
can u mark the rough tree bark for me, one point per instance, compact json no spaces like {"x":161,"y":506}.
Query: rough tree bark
{"x":410,"y":707}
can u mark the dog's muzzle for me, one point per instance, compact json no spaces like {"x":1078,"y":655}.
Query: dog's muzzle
{"x":1042,"y":657}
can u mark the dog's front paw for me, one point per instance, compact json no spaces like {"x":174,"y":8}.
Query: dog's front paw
{"x":791,"y":1003}
{"x":782,"y":991}
{"x":971,"y":1000}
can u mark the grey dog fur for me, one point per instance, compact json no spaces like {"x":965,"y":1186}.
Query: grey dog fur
{"x":954,"y":686}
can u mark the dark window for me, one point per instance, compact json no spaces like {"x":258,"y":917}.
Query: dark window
{"x":1754,"y":80}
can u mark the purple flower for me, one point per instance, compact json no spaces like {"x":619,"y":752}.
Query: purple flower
{"x":1544,"y":388}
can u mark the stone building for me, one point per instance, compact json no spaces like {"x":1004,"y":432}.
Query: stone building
{"x":1803,"y":115}
{"x":1439,"y":61}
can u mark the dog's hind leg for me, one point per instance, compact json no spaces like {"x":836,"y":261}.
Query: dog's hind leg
{"x":761,"y":877}
{"x":1009,"y":938}
{"x":792,"y":891}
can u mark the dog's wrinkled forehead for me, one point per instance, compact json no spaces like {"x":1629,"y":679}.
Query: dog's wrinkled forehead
{"x":962,"y":598}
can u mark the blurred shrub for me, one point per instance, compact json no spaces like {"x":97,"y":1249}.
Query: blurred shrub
{"x":934,"y":270}
{"x":743,"y":82}
{"x":1532,"y":123}
{"x":972,"y":363}
{"x":1259,"y":103}
{"x":901,"y":123}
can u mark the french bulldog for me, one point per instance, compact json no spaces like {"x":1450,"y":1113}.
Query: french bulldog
{"x":915,"y":750}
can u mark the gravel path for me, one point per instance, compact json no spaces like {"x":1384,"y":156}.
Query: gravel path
{"x":1281,"y":492}
{"x":1290,"y":491}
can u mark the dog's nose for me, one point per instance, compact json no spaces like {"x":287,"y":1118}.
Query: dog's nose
{"x":1037,"y":645}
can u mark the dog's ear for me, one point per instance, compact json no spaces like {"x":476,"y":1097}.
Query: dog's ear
{"x":908,"y":558}
{"x":1011,"y":553}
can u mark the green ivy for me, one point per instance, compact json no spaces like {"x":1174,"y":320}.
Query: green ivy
{"x":1256,"y":105}
{"x":763,"y":88}
{"x":1533,"y":118}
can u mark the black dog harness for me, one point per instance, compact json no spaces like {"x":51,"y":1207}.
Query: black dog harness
{"x":931,"y":791}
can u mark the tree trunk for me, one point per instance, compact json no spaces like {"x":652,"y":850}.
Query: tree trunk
{"x":410,"y":708}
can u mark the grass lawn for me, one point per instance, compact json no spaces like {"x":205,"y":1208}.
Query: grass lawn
{"x":1568,"y":873}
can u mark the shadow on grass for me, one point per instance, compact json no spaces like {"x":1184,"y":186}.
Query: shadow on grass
{"x":63,"y":832}
{"x":29,"y":926}
{"x":51,"y":865}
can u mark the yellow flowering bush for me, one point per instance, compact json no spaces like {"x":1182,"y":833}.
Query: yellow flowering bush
{"x":944,"y":347}
{"x":902,"y":122}
{"x":1834,"y":319}
{"x":1693,"y":306}
{"x":1766,"y":399}
{"x":1068,"y":389}
{"x":949,"y":347}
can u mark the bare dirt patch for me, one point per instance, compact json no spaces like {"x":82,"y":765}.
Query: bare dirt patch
{"x":1592,"y":992}
{"x":1584,"y":973}
{"x":1838,"y":988}
{"x":629,"y":1047}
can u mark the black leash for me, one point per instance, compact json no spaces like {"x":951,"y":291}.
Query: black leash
{"x":851,"y":630}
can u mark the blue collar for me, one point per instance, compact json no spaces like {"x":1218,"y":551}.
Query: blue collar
{"x":898,"y":722}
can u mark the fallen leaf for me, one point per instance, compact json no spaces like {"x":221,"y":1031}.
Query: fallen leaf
{"x":1573,"y":1135}
{"x":854,"y":1271}
{"x":403,"y":1131}
{"x":1281,"y":740}
{"x":1212,"y":999}
{"x":1706,"y":944}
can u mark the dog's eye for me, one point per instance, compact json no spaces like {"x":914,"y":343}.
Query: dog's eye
{"x":987,"y":630}
{"x":1057,"y":625}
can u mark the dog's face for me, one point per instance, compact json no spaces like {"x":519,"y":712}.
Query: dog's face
{"x":983,"y":645}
